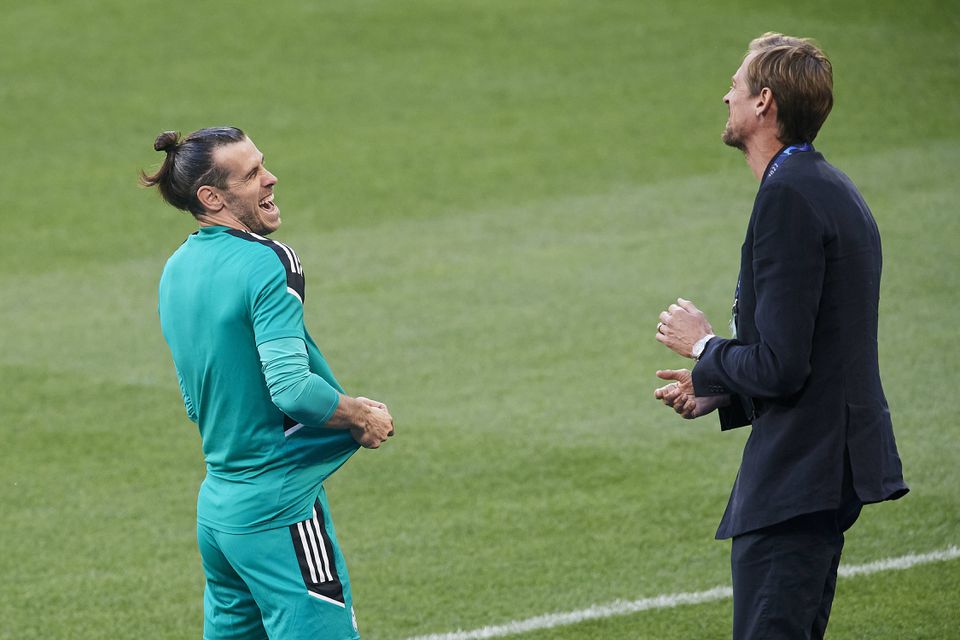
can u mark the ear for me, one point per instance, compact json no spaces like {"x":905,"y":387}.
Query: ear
{"x":765,"y":102}
{"x":210,"y":198}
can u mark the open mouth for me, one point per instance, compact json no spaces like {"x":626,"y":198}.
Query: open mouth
{"x":267,"y":204}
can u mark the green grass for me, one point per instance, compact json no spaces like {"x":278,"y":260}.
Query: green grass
{"x":492,"y":201}
{"x":863,"y":609}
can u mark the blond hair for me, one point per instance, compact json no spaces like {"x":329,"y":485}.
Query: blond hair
{"x":801,"y":79}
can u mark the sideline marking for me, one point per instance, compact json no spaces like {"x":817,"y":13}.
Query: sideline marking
{"x":666,"y":601}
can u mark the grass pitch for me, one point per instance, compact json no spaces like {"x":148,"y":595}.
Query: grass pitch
{"x":492,"y":200}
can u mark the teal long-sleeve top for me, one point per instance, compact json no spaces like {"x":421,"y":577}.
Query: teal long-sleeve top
{"x":252,"y":378}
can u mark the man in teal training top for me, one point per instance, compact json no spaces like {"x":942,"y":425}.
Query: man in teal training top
{"x":273,"y":421}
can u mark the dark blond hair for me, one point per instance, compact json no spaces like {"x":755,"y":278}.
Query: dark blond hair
{"x":801,"y":79}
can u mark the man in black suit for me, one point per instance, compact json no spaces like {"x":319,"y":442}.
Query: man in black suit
{"x":802,"y":366}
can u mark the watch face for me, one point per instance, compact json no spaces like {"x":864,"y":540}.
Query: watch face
{"x":700,"y":345}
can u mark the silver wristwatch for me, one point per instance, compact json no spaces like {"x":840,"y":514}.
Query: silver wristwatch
{"x":700,"y":345}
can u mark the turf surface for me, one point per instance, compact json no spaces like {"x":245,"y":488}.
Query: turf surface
{"x":492,"y":200}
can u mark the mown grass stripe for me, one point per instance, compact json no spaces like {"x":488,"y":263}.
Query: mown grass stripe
{"x":666,"y":601}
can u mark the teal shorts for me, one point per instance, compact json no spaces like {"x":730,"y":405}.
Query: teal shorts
{"x":289,"y":583}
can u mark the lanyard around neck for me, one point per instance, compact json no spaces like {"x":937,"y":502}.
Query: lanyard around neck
{"x":786,"y":153}
{"x":783,"y":155}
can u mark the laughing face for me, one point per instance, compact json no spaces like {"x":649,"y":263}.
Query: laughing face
{"x":249,"y":193}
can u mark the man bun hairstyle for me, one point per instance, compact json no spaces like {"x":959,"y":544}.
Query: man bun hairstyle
{"x":167,"y":141}
{"x":189,"y":165}
{"x":801,"y":79}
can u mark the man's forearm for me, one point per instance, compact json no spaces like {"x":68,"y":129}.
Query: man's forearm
{"x":300,"y":394}
{"x":309,"y":399}
{"x":349,"y":414}
{"x":368,"y":420}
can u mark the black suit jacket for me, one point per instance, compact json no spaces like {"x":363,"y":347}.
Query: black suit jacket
{"x":803,"y":367}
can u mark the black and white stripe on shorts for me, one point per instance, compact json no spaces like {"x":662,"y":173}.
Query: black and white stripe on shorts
{"x":315,"y":554}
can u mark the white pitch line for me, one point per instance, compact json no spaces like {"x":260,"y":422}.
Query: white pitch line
{"x":903,"y":562}
{"x":666,"y":601}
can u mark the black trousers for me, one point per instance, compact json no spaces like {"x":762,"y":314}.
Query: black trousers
{"x":785,"y":575}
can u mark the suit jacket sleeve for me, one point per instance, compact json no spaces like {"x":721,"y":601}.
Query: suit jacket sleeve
{"x":788,"y":270}
{"x":734,"y":415}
